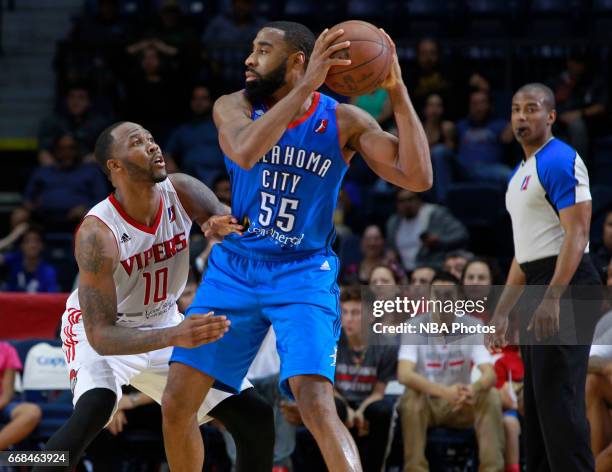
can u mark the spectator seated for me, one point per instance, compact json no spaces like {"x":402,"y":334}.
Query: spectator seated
{"x":46,"y":382}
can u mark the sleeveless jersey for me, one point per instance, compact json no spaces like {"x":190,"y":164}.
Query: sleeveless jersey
{"x":154,"y":261}
{"x":288,"y":198}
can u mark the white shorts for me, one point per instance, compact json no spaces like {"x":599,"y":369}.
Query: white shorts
{"x":146,"y":372}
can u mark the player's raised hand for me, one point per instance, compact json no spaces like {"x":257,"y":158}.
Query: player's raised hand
{"x":395,"y":71}
{"x":321,"y":58}
{"x":219,"y":226}
{"x":197,"y":329}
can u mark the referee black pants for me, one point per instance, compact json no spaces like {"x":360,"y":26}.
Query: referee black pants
{"x":556,"y":429}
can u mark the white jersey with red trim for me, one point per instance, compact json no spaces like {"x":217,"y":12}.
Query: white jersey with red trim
{"x":154,"y":261}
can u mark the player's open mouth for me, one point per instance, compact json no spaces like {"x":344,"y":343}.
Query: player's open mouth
{"x":522,"y":130}
{"x":159,"y":161}
{"x":250,"y":76}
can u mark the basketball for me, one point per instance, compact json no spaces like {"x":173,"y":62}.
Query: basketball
{"x":370,"y":57}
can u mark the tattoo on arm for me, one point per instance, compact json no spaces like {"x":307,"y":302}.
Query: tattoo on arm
{"x":96,"y":257}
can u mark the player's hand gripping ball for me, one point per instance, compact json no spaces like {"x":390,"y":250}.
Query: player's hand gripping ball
{"x":371,"y":55}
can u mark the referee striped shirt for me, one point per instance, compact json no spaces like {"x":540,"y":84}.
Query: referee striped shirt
{"x":552,"y":179}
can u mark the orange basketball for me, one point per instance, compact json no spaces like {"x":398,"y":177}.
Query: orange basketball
{"x":370,"y":57}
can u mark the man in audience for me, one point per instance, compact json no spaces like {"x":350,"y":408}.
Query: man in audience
{"x":27,"y":271}
{"x":455,"y":262}
{"x":373,"y":254}
{"x":436,"y":371}
{"x":77,"y":118}
{"x":429,"y":76}
{"x":481,"y":139}
{"x":581,"y":97}
{"x":423,"y":232}
{"x":59,"y":195}
{"x":154,"y":95}
{"x":194,"y":146}
{"x":226,"y":39}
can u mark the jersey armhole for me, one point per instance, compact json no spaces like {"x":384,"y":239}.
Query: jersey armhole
{"x":178,"y":199}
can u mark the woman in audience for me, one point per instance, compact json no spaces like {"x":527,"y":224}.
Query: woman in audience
{"x":478,"y":276}
{"x":17,"y":419}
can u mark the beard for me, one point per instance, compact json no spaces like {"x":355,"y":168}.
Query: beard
{"x":262,"y":88}
{"x":150,"y":175}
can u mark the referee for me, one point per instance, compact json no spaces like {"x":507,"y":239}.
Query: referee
{"x":549,"y":202}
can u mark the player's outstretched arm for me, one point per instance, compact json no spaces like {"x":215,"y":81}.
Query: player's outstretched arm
{"x":245,"y":141}
{"x":199,"y":201}
{"x":403,"y":161}
{"x":97,"y":256}
{"x":203,"y":206}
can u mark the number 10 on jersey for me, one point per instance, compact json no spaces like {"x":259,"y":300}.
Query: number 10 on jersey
{"x":161,"y":285}
{"x":285,"y":218}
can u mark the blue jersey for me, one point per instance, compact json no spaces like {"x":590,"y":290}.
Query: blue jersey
{"x":289,"y":196}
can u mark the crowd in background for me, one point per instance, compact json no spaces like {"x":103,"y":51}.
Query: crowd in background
{"x":164,"y":71}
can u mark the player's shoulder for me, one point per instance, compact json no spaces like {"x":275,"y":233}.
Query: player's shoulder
{"x":351,"y":116}
{"x":555,"y":156}
{"x":229,"y":107}
{"x":233,"y":100}
{"x":94,"y":234}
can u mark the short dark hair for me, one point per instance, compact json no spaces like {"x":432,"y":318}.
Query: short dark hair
{"x":443,"y":276}
{"x":104,"y":146}
{"x":298,"y":36}
{"x":547,"y":94}
{"x":351,"y":293}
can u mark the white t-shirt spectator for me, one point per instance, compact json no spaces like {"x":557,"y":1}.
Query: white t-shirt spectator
{"x":445,"y":360}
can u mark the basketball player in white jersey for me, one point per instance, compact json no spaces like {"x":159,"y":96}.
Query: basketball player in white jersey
{"x":121,"y":323}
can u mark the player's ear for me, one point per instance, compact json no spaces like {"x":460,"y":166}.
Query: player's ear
{"x":552,"y":117}
{"x":112,"y":164}
{"x":299,"y":58}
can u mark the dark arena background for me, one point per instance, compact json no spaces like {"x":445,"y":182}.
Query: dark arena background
{"x":70,"y":68}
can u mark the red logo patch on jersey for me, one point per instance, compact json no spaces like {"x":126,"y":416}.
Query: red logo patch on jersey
{"x":321,"y":126}
{"x":525,"y":182}
{"x":73,"y":379}
{"x":171,"y":214}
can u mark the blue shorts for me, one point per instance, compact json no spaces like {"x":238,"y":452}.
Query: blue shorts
{"x":299,"y":298}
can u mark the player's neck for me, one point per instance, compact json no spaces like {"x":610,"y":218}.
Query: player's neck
{"x":283,"y":92}
{"x":141,"y":202}
{"x":529,"y":149}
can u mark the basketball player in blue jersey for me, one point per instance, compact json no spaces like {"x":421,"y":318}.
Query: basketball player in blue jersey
{"x":287,"y":149}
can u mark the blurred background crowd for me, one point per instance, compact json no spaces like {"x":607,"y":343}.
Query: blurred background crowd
{"x":162,"y":63}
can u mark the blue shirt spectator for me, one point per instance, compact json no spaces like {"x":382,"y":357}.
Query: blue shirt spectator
{"x":27,"y":272}
{"x":228,"y":40}
{"x":77,"y":118}
{"x":61,"y":194}
{"x":481,"y":139}
{"x":194,"y":146}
